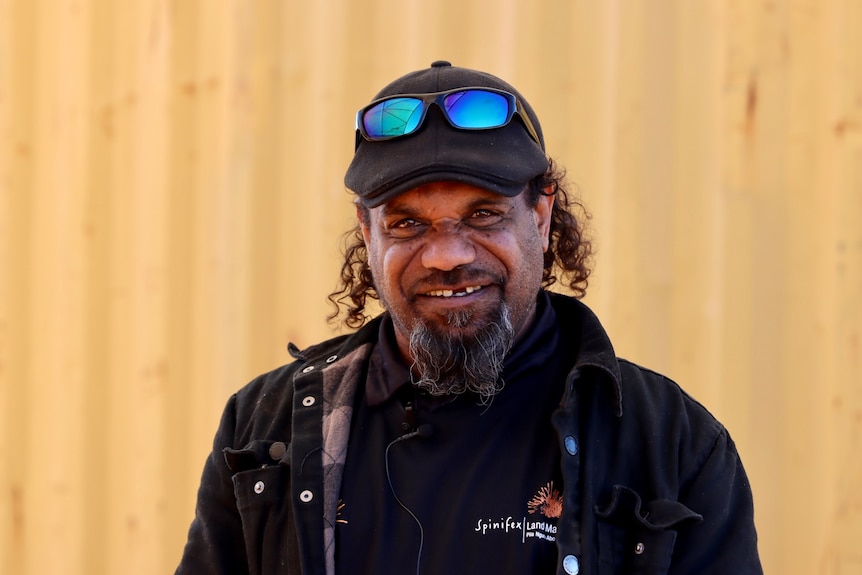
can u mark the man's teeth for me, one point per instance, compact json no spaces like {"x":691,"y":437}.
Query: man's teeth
{"x":450,"y":293}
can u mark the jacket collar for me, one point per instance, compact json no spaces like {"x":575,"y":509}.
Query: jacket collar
{"x":595,"y":351}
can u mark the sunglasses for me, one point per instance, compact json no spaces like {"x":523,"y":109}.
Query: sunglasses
{"x":464,"y":108}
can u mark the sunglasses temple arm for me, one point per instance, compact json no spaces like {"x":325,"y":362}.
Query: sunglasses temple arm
{"x":528,"y":124}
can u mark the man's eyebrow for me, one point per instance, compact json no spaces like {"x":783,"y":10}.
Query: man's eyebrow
{"x":399,"y":209}
{"x":493,"y":201}
{"x":500,"y":204}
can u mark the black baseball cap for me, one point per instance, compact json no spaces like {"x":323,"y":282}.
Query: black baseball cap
{"x":501,"y":160}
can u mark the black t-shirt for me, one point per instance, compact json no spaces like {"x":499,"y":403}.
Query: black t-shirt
{"x":482,"y":490}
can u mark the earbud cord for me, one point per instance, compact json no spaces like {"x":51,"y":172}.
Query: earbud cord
{"x":413,"y":515}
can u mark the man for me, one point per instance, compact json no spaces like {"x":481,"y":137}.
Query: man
{"x":482,"y":424}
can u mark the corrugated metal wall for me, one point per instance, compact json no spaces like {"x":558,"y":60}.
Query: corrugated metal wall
{"x":171,"y":205}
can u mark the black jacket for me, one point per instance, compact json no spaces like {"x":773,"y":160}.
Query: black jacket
{"x":652,"y":482}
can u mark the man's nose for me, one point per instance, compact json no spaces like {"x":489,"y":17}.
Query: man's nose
{"x":447,"y":249}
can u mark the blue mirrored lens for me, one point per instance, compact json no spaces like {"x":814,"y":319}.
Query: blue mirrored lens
{"x":477,"y":109}
{"x":395,"y":117}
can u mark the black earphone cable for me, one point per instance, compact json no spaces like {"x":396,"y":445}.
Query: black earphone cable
{"x":423,"y":431}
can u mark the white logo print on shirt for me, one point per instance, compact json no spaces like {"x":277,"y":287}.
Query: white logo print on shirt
{"x":547,"y":502}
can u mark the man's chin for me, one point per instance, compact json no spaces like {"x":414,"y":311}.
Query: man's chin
{"x":461,"y":321}
{"x":462,"y":354}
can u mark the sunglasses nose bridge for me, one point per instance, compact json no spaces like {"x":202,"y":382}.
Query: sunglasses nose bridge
{"x":437,"y":108}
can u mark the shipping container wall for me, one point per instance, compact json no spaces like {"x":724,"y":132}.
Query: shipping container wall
{"x":172,"y":211}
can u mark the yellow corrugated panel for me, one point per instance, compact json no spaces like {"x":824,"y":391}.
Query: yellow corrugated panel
{"x":171,"y":203}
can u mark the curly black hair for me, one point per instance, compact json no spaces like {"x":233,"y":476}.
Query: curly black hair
{"x":569,"y":250}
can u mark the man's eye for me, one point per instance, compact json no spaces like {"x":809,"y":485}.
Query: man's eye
{"x":403,"y":224}
{"x":484,"y":217}
{"x":404,"y":228}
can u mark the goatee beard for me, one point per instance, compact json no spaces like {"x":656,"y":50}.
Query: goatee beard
{"x":449,"y":362}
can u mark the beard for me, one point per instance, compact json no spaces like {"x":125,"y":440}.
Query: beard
{"x":452,"y":362}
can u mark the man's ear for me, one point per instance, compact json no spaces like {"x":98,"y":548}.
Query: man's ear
{"x":543,"y":213}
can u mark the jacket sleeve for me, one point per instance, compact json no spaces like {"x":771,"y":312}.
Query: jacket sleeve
{"x":726,"y":540}
{"x":215,"y":543}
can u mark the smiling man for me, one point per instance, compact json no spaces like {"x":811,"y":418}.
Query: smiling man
{"x":482,"y":424}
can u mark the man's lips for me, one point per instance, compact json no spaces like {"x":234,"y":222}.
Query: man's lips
{"x":470,"y":284}
{"x":455,"y":292}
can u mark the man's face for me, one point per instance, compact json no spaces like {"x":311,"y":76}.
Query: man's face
{"x":450,"y":257}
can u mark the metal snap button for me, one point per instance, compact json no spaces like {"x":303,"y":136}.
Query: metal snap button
{"x":571,"y":565}
{"x":331,"y":358}
{"x":307,"y":369}
{"x":571,"y":445}
{"x":259,"y":487}
{"x":306,"y":496}
{"x":308,"y":400}
{"x":640,"y":548}
{"x":277,"y":450}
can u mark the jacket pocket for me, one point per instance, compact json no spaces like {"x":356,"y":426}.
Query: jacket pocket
{"x":637,"y":538}
{"x":261,"y":484}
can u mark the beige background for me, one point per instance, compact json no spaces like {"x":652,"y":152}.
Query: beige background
{"x":171,"y":203}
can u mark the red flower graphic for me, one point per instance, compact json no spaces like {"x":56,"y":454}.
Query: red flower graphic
{"x":548,"y":501}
